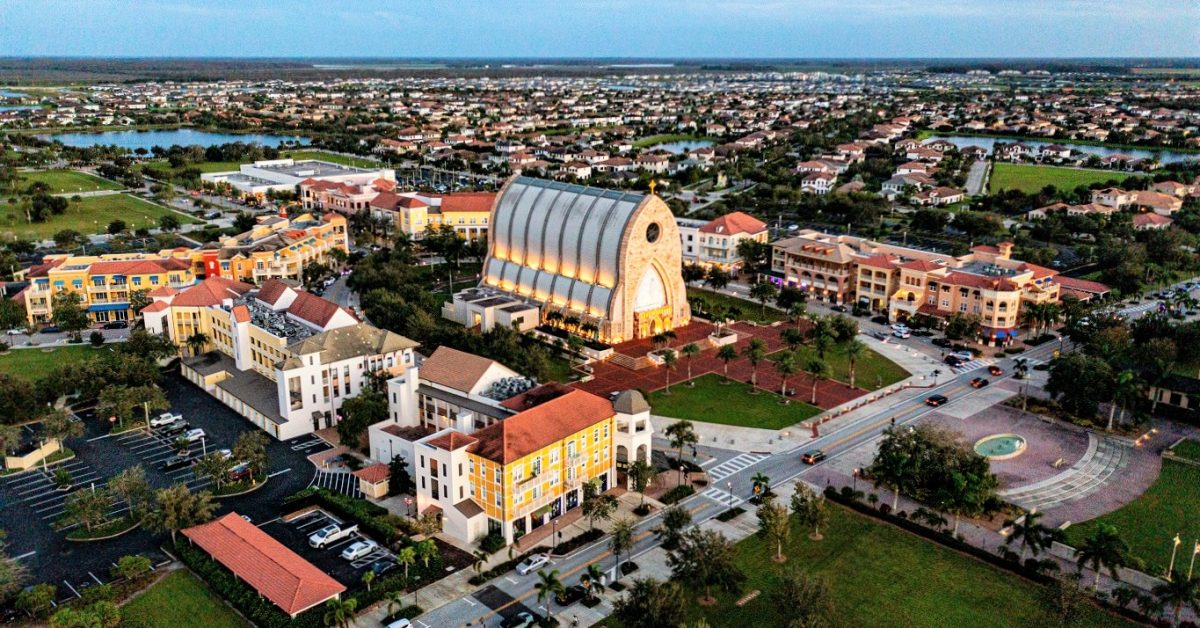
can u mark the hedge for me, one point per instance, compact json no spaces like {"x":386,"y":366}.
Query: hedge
{"x":502,"y":568}
{"x":373,"y":519}
{"x":677,"y":494}
{"x":247,"y":601}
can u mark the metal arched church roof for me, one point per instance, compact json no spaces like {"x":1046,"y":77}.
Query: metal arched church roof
{"x":559,"y":242}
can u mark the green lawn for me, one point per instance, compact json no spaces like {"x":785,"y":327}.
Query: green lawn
{"x":1029,"y":178}
{"x":882,"y":576}
{"x":647,"y":142}
{"x":34,"y":363}
{"x":330,"y":157}
{"x":180,"y":599}
{"x":1189,"y":449}
{"x":90,"y":215}
{"x":1150,"y":522}
{"x":729,"y":404}
{"x":872,"y":373}
{"x":747,"y":310}
{"x":207,"y":166}
{"x":62,"y":181}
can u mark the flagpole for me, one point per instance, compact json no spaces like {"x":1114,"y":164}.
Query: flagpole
{"x":1174,"y":550}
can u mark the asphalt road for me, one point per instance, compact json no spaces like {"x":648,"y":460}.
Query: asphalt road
{"x":781,"y":468}
{"x":976,"y":176}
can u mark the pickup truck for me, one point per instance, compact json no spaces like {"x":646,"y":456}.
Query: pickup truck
{"x":164,"y":419}
{"x":331,"y":534}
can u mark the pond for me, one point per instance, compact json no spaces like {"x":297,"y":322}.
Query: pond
{"x":19,"y":107}
{"x":5,"y":93}
{"x":681,"y":146}
{"x":1164,"y":156}
{"x":183,"y":137}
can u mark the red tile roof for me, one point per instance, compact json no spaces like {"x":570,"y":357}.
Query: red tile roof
{"x":163,"y":291}
{"x":138,"y":266}
{"x":241,"y":314}
{"x":545,"y":424}
{"x":271,"y":290}
{"x":276,"y":572}
{"x":978,"y":281}
{"x":373,"y":474}
{"x":211,"y":291}
{"x":313,"y":308}
{"x":468,"y":202}
{"x":922,"y":265}
{"x":1081,"y":285}
{"x":878,"y":261}
{"x":734,"y":223}
{"x":453,"y":440}
{"x":157,"y":306}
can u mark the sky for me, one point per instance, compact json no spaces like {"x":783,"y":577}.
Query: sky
{"x":601,"y":28}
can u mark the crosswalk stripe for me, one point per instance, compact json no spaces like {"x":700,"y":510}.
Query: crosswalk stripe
{"x":733,"y":465}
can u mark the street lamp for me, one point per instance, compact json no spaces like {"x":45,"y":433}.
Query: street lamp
{"x":729,"y":486}
{"x":856,"y":472}
{"x":1174,"y":549}
{"x":1195,"y":551}
{"x":554,"y":536}
{"x":408,"y":504}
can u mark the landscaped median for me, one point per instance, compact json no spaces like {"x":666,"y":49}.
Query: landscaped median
{"x":105,"y":531}
{"x":713,"y":399}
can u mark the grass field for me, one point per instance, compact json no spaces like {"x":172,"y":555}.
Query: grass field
{"x":208,"y":166}
{"x":63,"y":181}
{"x":90,"y":215}
{"x":872,"y":373}
{"x":1189,"y":449}
{"x":180,"y":599}
{"x":1150,"y":522}
{"x":882,"y":576}
{"x":647,"y":142}
{"x":748,"y":310}
{"x":729,"y":404}
{"x":33,"y":363}
{"x":1030,"y":178}
{"x":330,"y":157}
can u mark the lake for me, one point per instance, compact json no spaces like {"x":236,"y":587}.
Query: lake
{"x":1164,"y":156}
{"x":167,"y":138}
{"x":681,"y":146}
{"x":19,"y":107}
{"x":4,"y":93}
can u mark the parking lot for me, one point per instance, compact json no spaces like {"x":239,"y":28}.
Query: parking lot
{"x":30,"y":503}
{"x":294,"y":535}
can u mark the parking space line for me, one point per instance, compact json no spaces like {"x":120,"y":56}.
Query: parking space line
{"x":98,"y":581}
{"x":72,"y":589}
{"x":25,"y":555}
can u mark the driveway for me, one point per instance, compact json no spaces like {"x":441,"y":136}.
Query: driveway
{"x":976,"y":177}
{"x":29,"y":504}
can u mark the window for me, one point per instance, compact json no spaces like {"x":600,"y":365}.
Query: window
{"x":537,"y":465}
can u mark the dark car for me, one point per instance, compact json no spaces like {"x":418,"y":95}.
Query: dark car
{"x":995,"y":370}
{"x":176,"y":462}
{"x":381,"y":567}
{"x":840,"y":308}
{"x":239,"y":473}
{"x":812,"y":457}
{"x":520,"y":620}
{"x":979,"y":382}
{"x":941,"y":342}
{"x":117,"y":325}
{"x":879,"y":320}
{"x":50,"y":329}
{"x":953,"y":360}
{"x":937,"y":400}
{"x":177,"y":427}
{"x":570,"y":595}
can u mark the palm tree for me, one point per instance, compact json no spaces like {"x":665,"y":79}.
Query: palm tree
{"x":1128,"y":390}
{"x":340,"y":613}
{"x":669,"y":359}
{"x":548,"y":586}
{"x":1031,"y":533}
{"x":621,"y":542}
{"x":681,"y":433}
{"x":1177,"y":593}
{"x":394,"y":599}
{"x":1104,"y":549}
{"x":689,"y":351}
{"x":786,"y":366}
{"x":754,"y":352}
{"x":725,"y":354}
{"x":793,"y":337}
{"x":196,"y":342}
{"x":1021,"y":367}
{"x":761,"y":483}
{"x":817,"y":369}
{"x":479,"y":559}
{"x":406,"y":556}
{"x":854,"y":350}
{"x":797,"y":312}
{"x":593,"y":580}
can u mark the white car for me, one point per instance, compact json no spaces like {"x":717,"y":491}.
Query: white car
{"x":902,"y":333}
{"x":965,"y":356}
{"x":192,"y":435}
{"x":532,"y":564}
{"x":330,"y":534}
{"x":359,"y":549}
{"x":400,"y":623}
{"x":165,"y":419}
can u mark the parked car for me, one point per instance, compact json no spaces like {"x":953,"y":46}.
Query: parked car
{"x":902,"y":333}
{"x":400,"y":623}
{"x":330,"y":534}
{"x":879,"y":320}
{"x":979,"y":382}
{"x":359,"y":549}
{"x":381,"y":567}
{"x":116,"y":325}
{"x":965,"y":356}
{"x":995,"y":370}
{"x":813,"y":457}
{"x":952,"y":360}
{"x":239,"y":472}
{"x":193,"y":435}
{"x":520,"y":620}
{"x":176,"y":462}
{"x":878,"y":335}
{"x":533,"y":563}
{"x":936,"y":400}
{"x":177,"y":427}
{"x":50,"y":329}
{"x":570,"y":595}
{"x":840,"y":308}
{"x":165,"y":419}
{"x":940,"y":342}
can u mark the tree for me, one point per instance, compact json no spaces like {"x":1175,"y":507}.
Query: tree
{"x":773,"y":525}
{"x":755,"y":351}
{"x":597,"y":506}
{"x":399,"y":479}
{"x":726,"y":353}
{"x":689,"y":351}
{"x":367,"y":578}
{"x":716,"y":278}
{"x":176,"y":508}
{"x":1079,"y":381}
{"x":426,"y":551}
{"x":168,"y":223}
{"x":706,"y":559}
{"x":117,"y":227}
{"x":805,"y":601}
{"x":621,"y":541}
{"x":1031,"y":533}
{"x":359,"y":413}
{"x":762,"y":292}
{"x":250,"y":448}
{"x":651,"y":604}
{"x":37,"y":599}
{"x":340,"y":613}
{"x":668,"y":358}
{"x":131,"y":487}
{"x":1178,"y":593}
{"x":761,"y":484}
{"x":131,"y":567}
{"x":1104,"y":549}
{"x":548,"y":586}
{"x":593,"y":580}
{"x":1128,"y":390}
{"x":1064,"y":602}
{"x":818,"y":371}
{"x":215,"y":466}
{"x":674,"y":520}
{"x":406,"y":556}
{"x":681,"y":433}
{"x":640,"y":473}
{"x":786,"y":366}
{"x":88,"y":508}
{"x":854,"y":350}
{"x":810,"y":509}
{"x":68,"y":313}
{"x":57,"y":425}
{"x":197,"y":342}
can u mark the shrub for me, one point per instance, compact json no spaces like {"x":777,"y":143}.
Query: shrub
{"x":96,"y":338}
{"x":677,"y":494}
{"x":492,"y":543}
{"x":642,"y":510}
{"x":374,"y":520}
{"x":730,"y":514}
{"x":1014,"y":350}
{"x":628,"y":567}
{"x":246,"y":600}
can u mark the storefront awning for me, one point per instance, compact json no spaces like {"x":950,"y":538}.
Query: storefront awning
{"x":108,"y":307}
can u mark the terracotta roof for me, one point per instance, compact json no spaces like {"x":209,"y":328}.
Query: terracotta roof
{"x":453,"y":440}
{"x":1081,"y":285}
{"x":276,"y":572}
{"x":1150,"y":218}
{"x":545,"y":424}
{"x":468,"y":202}
{"x":978,"y":281}
{"x":454,"y":369}
{"x":314,"y":309}
{"x":138,"y":267}
{"x":157,"y":306}
{"x":163,"y":291}
{"x":922,"y":265}
{"x":241,"y":314}
{"x":734,"y":223}
{"x":211,"y":291}
{"x":271,"y":290}
{"x":878,"y":261}
{"x":373,"y":474}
